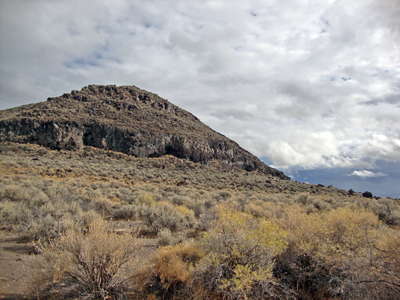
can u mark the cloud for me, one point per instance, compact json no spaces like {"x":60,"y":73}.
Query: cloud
{"x":307,"y":84}
{"x":367,"y":174}
{"x":393,"y":99}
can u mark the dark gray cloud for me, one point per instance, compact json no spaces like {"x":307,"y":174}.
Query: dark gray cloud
{"x":310,"y":84}
{"x":393,"y":99}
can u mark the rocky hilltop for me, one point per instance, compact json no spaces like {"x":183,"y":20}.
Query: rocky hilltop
{"x":123,"y":119}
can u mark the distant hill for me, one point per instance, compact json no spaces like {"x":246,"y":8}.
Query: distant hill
{"x":124,"y":119}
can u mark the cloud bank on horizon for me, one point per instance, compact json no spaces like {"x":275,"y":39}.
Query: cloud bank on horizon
{"x":308,"y":84}
{"x":367,"y":174}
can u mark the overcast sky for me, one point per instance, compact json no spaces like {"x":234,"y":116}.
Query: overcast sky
{"x":304,"y":84}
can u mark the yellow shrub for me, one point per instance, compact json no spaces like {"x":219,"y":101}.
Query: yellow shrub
{"x":185,"y":211}
{"x":244,"y":278}
{"x":241,"y":254}
{"x":170,"y":273}
{"x":350,"y":242}
{"x":175,"y":263}
{"x":253,"y":230}
{"x":147,"y":198}
{"x":334,"y":233}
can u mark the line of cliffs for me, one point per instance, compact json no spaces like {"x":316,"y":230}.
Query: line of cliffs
{"x":124,"y":119}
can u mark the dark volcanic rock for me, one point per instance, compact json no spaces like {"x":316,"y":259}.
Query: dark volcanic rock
{"x":367,"y":194}
{"x":125,"y":119}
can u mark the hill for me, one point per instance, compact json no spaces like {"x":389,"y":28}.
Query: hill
{"x":125,"y":119}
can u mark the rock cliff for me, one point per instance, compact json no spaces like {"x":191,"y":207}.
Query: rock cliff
{"x":124,"y":119}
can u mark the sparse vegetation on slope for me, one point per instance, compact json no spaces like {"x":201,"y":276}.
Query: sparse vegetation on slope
{"x":198,"y":231}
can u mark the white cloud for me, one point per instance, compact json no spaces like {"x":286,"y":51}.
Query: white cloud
{"x":367,"y":174}
{"x":305,"y":83}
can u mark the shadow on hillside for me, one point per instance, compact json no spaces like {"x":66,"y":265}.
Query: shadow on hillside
{"x":13,"y":297}
{"x":21,"y":249}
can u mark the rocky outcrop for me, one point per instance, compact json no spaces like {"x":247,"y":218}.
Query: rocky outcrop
{"x":123,"y":119}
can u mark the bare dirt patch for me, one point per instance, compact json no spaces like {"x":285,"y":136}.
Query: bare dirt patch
{"x":15,"y":265}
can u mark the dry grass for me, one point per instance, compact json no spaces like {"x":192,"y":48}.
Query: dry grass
{"x":46,"y":195}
